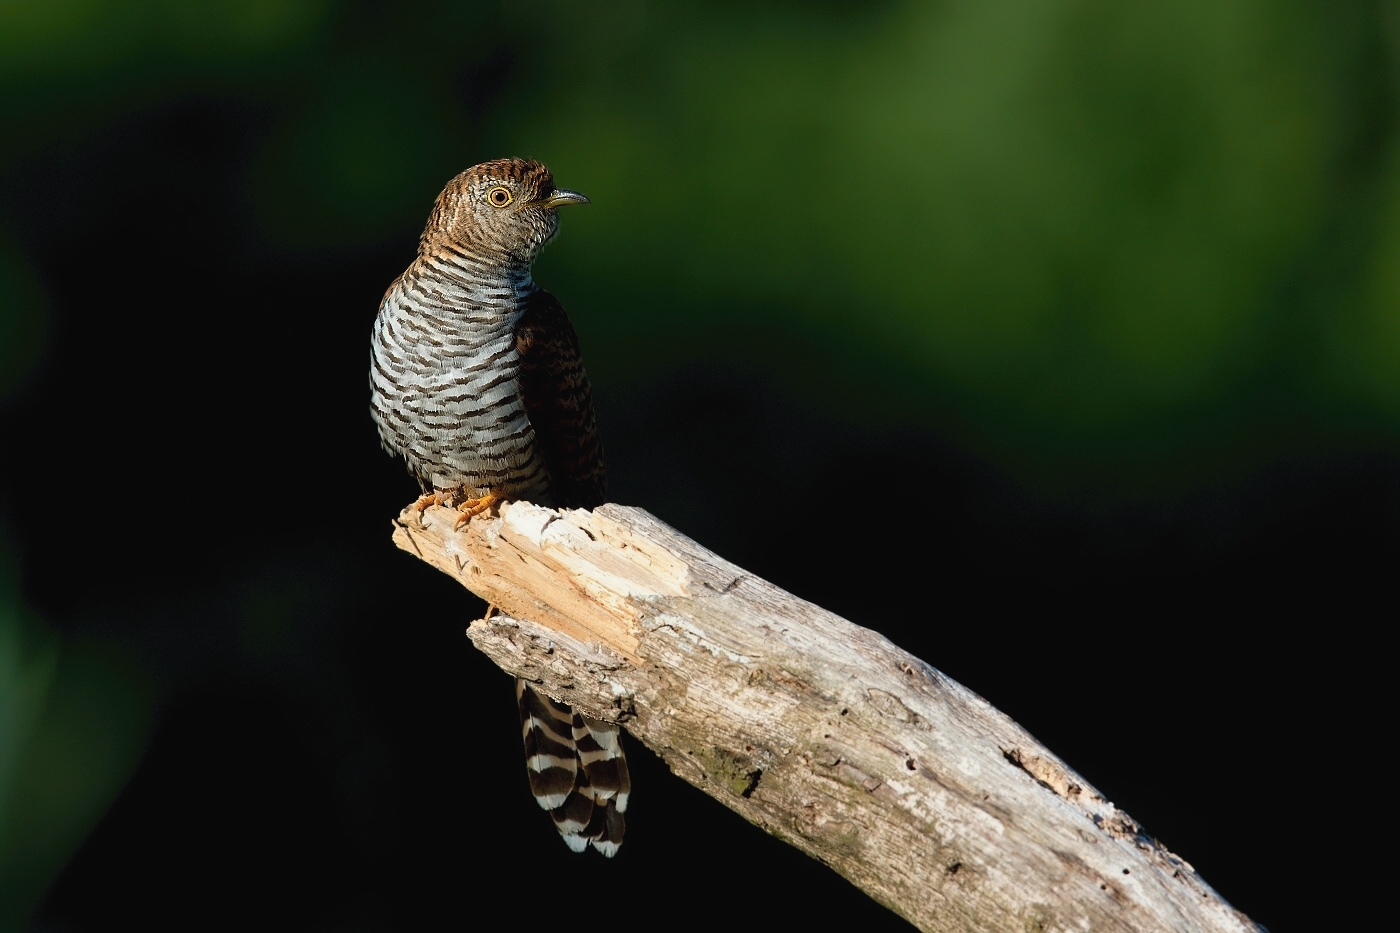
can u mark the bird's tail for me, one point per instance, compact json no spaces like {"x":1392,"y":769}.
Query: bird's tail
{"x":577,"y":771}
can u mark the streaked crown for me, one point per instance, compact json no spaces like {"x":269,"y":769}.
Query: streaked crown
{"x":503,"y":209}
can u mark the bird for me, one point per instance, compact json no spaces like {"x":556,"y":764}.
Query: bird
{"x":477,"y":381}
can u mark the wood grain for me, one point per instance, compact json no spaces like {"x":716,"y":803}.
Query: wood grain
{"x":819,"y":731}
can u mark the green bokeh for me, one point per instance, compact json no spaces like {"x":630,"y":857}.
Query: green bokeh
{"x":65,"y":38}
{"x":73,"y":720}
{"x":364,"y":155}
{"x":1048,"y":230}
{"x":1364,"y":336}
{"x":1071,"y":213}
{"x":22,"y":318}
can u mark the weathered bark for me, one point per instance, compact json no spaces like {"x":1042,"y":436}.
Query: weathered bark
{"x":819,"y":731}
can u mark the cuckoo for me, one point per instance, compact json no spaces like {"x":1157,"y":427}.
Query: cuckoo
{"x":477,"y":381}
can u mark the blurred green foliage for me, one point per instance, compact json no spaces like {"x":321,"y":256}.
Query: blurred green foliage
{"x":1365,"y":337}
{"x":1059,"y":226}
{"x":1075,"y":219}
{"x":22,"y":318}
{"x":73,"y":719}
{"x":82,"y":38}
{"x":73,"y":715}
{"x":366,"y":145}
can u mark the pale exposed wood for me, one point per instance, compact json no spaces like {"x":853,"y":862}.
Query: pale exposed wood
{"x":819,"y":731}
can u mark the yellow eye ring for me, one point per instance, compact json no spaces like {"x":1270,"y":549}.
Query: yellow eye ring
{"x":499,"y":197}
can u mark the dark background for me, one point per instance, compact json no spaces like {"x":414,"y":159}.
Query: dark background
{"x":1072,"y":328}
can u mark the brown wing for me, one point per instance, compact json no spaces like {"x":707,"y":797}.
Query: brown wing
{"x":558,"y":400}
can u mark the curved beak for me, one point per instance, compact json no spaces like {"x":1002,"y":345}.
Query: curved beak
{"x":561,"y":196}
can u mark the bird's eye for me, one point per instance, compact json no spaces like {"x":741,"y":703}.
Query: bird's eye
{"x":499,"y":197}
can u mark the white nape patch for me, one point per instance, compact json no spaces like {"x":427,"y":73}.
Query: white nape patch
{"x":607,"y":848}
{"x":576,"y":843}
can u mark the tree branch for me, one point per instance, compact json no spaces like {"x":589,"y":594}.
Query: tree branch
{"x":819,"y":731}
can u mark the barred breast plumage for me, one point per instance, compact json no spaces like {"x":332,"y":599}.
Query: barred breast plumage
{"x":477,"y":381}
{"x":446,"y":377}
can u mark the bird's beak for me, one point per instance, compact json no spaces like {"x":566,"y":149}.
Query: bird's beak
{"x":561,"y":196}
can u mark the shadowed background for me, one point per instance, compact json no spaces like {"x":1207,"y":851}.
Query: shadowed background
{"x":1099,"y":303}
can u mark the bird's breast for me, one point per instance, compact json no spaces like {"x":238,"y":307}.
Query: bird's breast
{"x":445,"y":382}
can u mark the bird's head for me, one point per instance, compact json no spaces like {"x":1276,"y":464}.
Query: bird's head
{"x":503,"y":208}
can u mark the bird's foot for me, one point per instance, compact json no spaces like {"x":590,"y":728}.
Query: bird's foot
{"x":474,"y":507}
{"x":432,"y":498}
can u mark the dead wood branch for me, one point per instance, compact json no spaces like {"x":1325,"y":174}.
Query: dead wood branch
{"x":821,"y":732}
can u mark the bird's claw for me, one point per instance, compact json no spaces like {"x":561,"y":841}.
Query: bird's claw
{"x":474,"y":507}
{"x":432,"y":498}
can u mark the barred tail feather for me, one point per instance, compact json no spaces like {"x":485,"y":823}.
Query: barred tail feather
{"x":577,"y":770}
{"x":600,"y":753}
{"x":606,"y":828}
{"x":551,"y":760}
